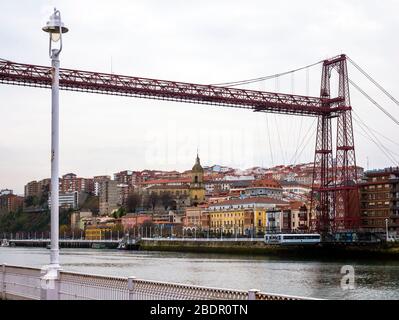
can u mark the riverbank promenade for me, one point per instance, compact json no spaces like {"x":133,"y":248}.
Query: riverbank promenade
{"x":25,"y":283}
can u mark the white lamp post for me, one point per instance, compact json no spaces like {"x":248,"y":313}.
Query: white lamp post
{"x":55,"y":28}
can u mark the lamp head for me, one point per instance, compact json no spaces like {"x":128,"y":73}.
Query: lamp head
{"x":55,"y":27}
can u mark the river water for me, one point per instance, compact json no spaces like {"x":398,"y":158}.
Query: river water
{"x":374,"y":279}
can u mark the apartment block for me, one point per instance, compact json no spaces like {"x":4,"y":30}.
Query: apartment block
{"x":109,"y":197}
{"x":10,"y":202}
{"x":379,"y":200}
{"x":71,"y":183}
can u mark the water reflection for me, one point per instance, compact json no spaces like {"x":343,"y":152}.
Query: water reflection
{"x":320,"y":279}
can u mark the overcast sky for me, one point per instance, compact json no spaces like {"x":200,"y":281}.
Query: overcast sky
{"x":194,"y":41}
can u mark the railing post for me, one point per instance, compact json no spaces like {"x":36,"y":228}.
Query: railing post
{"x":130,"y":286}
{"x":3,"y":282}
{"x":50,"y":284}
{"x":252,"y":294}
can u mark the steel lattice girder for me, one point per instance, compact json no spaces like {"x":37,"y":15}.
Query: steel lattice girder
{"x":259,"y":101}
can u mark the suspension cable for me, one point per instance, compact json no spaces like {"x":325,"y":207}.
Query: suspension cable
{"x":385,"y":137}
{"x":370,"y":133}
{"x":373,"y":81}
{"x":373,"y":138}
{"x":374,"y":102}
{"x":248,"y":81}
{"x":305,"y":145}
{"x":367,"y":135}
{"x":296,"y":156}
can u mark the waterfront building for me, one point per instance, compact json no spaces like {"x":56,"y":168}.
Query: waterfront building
{"x":278,"y":220}
{"x":299,"y":216}
{"x":132,"y":220}
{"x":242,"y":216}
{"x":97,"y":232}
{"x":192,"y":218}
{"x":205,"y":221}
{"x":379,"y":200}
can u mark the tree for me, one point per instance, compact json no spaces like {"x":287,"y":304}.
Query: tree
{"x":29,"y":201}
{"x":166,"y":199}
{"x":91,"y":203}
{"x":133,"y":201}
{"x":43,"y":200}
{"x":65,"y":216}
{"x":119,"y":213}
{"x":152,"y":200}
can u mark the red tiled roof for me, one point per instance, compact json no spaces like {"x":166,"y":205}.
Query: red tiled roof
{"x":166,"y":181}
{"x":183,"y":186}
{"x":295,"y":205}
{"x":266,"y":200}
{"x":268,"y":183}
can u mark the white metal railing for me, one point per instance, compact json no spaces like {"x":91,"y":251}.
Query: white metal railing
{"x":20,"y":282}
{"x":27,"y":283}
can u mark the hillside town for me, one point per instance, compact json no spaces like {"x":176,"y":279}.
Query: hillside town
{"x":210,"y":201}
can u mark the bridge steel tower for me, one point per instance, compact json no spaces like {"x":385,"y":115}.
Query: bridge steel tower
{"x":334,"y":192}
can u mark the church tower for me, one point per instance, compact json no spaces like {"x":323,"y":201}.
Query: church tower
{"x":197,"y":189}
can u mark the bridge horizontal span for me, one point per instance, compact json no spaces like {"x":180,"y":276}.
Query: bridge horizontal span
{"x":112,"y":84}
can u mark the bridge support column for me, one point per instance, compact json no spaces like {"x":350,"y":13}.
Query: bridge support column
{"x":50,"y":283}
{"x":130,"y":285}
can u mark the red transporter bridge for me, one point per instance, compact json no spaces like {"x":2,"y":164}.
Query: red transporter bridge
{"x":334,"y":192}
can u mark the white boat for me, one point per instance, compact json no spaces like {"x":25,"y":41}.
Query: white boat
{"x":292,"y":238}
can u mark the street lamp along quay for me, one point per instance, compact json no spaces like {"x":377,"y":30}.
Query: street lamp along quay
{"x":55,"y":28}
